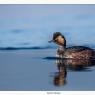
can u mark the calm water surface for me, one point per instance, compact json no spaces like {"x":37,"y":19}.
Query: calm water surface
{"x":38,"y":70}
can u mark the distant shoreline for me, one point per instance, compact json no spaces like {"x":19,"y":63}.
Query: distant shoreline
{"x":38,"y":47}
{"x":24,"y":48}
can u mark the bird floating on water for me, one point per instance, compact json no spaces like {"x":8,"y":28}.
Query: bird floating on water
{"x":75,"y":52}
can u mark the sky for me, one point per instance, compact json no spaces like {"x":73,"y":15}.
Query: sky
{"x":33,"y":25}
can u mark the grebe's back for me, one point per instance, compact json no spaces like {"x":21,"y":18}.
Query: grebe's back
{"x":79,"y":52}
{"x":77,"y":48}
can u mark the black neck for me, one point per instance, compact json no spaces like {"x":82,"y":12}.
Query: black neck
{"x":64,"y":43}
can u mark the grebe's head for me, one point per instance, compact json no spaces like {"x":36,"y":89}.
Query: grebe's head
{"x":59,"y":39}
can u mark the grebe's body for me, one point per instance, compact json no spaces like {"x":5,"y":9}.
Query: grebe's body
{"x":75,"y":52}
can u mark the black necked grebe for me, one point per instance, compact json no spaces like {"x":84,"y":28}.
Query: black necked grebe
{"x":75,"y":52}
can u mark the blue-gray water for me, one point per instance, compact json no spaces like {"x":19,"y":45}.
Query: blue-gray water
{"x":33,"y":25}
{"x":30,"y":70}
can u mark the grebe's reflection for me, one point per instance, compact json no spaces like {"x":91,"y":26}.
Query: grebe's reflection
{"x":60,"y":77}
{"x":78,"y":64}
{"x":71,"y":64}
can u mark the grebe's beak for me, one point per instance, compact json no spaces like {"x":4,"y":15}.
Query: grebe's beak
{"x":51,"y":41}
